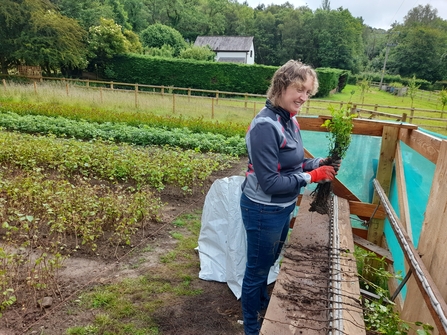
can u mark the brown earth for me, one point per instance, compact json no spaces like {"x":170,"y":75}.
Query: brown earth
{"x":214,"y":312}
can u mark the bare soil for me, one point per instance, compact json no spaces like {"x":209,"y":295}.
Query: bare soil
{"x":214,"y":312}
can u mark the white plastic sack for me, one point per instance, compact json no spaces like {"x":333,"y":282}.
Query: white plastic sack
{"x":222,"y":239}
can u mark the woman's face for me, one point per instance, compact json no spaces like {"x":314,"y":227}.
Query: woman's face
{"x":295,"y":96}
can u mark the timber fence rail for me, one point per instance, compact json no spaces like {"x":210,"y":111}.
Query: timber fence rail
{"x":246,"y":105}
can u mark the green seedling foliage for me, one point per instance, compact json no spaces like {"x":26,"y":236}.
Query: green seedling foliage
{"x":127,"y":117}
{"x":381,"y":316}
{"x":339,"y":134}
{"x":152,"y":166}
{"x":121,"y":133}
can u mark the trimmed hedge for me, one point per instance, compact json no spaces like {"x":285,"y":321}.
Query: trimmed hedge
{"x":186,"y":73}
{"x":331,"y":79}
{"x":215,"y":76}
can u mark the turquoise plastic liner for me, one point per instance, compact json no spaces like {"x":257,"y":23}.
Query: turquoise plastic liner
{"x":358,"y":171}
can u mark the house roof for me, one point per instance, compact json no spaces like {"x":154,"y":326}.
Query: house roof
{"x":225,"y":43}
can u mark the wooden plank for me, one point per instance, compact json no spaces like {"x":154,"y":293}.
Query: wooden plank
{"x":379,"y":251}
{"x":384,"y":174}
{"x":361,"y":126}
{"x":352,"y":315}
{"x":404,"y":210}
{"x":433,"y":226}
{"x":298,"y":304}
{"x":425,"y":282}
{"x":432,"y":242}
{"x":364,"y":209}
{"x":363,"y":233}
{"x":425,"y":144}
{"x":342,"y":191}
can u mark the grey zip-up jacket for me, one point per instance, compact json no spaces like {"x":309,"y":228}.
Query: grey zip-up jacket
{"x":276,"y":158}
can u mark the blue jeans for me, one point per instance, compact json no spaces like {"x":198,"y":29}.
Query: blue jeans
{"x":267,"y":227}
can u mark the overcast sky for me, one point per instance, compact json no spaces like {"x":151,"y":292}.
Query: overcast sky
{"x":375,"y":13}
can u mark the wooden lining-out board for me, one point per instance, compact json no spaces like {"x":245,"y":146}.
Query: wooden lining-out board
{"x":353,"y":322}
{"x":299,"y":302}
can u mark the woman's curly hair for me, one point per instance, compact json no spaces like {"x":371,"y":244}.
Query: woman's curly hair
{"x":291,"y":73}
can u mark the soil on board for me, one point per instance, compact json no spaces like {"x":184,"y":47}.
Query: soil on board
{"x":214,"y":312}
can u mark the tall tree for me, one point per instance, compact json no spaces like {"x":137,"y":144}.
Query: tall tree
{"x":157,"y":35}
{"x":334,"y":39}
{"x":34,"y":33}
{"x":326,"y":5}
{"x":13,"y":20}
{"x":420,"y":52}
{"x":87,"y":12}
{"x":138,"y":14}
{"x":105,"y":41}
{"x":421,"y":15}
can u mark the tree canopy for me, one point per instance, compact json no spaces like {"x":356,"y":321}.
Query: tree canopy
{"x":59,"y":34}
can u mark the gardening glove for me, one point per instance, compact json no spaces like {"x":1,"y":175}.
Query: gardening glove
{"x":331,"y":162}
{"x":323,"y":174}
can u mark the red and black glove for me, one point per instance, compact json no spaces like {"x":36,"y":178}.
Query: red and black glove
{"x":323,"y":174}
{"x":331,"y":162}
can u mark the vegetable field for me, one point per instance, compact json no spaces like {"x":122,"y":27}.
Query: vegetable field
{"x":74,"y":186}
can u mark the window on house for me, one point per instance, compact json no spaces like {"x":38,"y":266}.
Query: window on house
{"x":251,"y":53}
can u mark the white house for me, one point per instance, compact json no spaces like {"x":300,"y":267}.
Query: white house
{"x":234,"y":49}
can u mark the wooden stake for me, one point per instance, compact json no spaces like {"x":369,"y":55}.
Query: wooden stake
{"x":173,"y":104}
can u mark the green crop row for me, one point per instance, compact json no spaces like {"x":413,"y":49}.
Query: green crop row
{"x":46,"y":217}
{"x":118,"y":132}
{"x":152,"y":166}
{"x":39,"y":210}
{"x":131,"y":117}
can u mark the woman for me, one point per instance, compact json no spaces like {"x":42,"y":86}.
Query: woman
{"x":276,"y":172}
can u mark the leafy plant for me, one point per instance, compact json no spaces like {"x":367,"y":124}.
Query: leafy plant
{"x":443,"y":100}
{"x":340,"y":128}
{"x":412,"y":89}
{"x":364,"y":87}
{"x":127,"y":117}
{"x":121,"y":133}
{"x":380,"y":314}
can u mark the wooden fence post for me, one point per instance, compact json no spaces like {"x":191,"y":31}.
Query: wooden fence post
{"x":111,"y":85}
{"x":173,"y":103}
{"x":411,"y":114}
{"x":341,"y":104}
{"x":162,"y":90}
{"x":307,"y":106}
{"x":35,"y":87}
{"x":404,"y":117}
{"x":212,"y":108}
{"x":246,"y":98}
{"x":189,"y":93}
{"x":217,"y":97}
{"x":4,"y":83}
{"x":66,"y":89}
{"x":136,"y":95}
{"x":87,"y":83}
